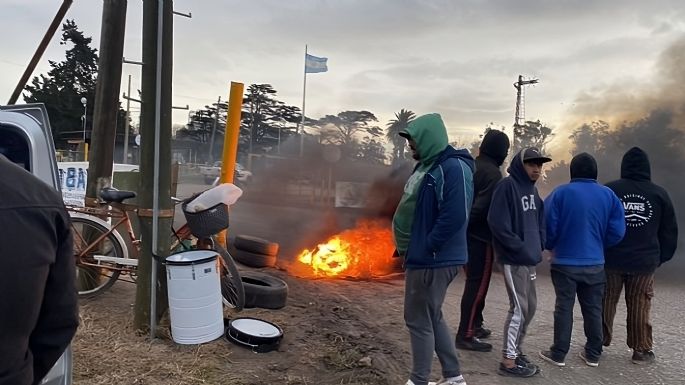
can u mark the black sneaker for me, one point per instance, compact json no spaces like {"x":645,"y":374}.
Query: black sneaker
{"x":482,"y":333}
{"x":547,"y":356}
{"x":516,"y":371}
{"x":594,"y":362}
{"x":472,"y":344}
{"x":640,"y":358}
{"x":523,"y":360}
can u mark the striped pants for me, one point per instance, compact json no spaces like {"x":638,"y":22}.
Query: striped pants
{"x":639,"y":293}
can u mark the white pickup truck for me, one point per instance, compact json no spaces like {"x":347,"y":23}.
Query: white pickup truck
{"x":211,"y":173}
{"x":26,"y":139}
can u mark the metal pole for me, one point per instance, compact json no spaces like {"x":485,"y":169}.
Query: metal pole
{"x":85,"y":112}
{"x":40,"y":50}
{"x":155,"y":179}
{"x":304,"y":93}
{"x":127,"y":126}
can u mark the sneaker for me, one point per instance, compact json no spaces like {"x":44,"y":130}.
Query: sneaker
{"x":640,"y":358}
{"x":482,"y":333}
{"x":594,"y":362}
{"x":516,"y":371}
{"x":523,"y":360}
{"x":547,"y":356}
{"x":458,"y":380}
{"x":472,"y":344}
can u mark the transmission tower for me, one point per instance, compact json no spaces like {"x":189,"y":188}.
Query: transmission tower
{"x":520,"y":117}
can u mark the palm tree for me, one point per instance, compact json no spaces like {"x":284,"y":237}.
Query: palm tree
{"x":401,"y":121}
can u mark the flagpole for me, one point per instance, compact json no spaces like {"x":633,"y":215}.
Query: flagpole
{"x":304,"y":94}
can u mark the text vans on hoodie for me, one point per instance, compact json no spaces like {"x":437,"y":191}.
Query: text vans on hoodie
{"x":582,"y":217}
{"x":516,"y":218}
{"x":651,"y":227}
{"x":429,"y":225}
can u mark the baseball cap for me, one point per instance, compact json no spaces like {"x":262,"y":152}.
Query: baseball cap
{"x":532,"y":154}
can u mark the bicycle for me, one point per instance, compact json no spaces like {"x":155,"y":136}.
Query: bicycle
{"x":102,"y":255}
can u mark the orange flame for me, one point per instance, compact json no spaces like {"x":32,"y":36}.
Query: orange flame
{"x":366,"y":251}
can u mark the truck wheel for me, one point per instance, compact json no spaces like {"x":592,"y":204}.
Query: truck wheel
{"x":254,"y":259}
{"x":255,"y":245}
{"x":263,"y":290}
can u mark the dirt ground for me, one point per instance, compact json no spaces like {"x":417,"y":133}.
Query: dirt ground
{"x":346,"y":332}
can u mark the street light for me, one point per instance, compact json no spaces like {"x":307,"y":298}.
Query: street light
{"x":84,"y":101}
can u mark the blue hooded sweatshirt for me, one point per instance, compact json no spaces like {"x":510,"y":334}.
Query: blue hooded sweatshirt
{"x":516,"y":218}
{"x":583,"y":218}
{"x":437,"y":200}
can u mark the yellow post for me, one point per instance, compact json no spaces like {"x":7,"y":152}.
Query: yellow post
{"x":230,"y":152}
{"x":85,"y":151}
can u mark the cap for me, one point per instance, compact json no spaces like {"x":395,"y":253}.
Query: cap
{"x":532,"y":154}
{"x":405,"y":134}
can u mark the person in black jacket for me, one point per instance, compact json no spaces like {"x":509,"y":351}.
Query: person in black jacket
{"x":651,"y":239}
{"x":38,"y":305}
{"x":517,"y":222}
{"x":492,"y":152}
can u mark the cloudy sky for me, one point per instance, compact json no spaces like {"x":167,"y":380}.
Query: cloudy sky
{"x":458,"y":58}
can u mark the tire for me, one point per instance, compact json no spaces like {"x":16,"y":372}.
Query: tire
{"x":92,"y":281}
{"x":232,"y":288}
{"x":255,"y":260}
{"x":264,"y":291}
{"x":255,"y":245}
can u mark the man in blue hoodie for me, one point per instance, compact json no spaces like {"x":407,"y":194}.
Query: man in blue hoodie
{"x":583,"y":218}
{"x":516,"y":219}
{"x":429,"y":229}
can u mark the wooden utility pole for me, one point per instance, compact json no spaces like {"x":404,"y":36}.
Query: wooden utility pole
{"x":104,"y":131}
{"x":40,"y":50}
{"x":147,"y":187}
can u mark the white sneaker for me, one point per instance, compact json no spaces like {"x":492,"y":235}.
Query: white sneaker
{"x":458,"y":380}
{"x":410,"y":382}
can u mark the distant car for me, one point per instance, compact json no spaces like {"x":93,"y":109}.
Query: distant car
{"x":26,"y":139}
{"x":211,"y":173}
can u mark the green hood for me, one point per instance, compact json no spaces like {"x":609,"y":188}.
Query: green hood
{"x":430,"y":135}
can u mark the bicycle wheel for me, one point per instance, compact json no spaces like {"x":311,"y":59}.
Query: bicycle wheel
{"x":91,"y":240}
{"x":232,"y":289}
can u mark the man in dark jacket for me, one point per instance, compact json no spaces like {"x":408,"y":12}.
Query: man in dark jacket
{"x":38,"y":307}
{"x":651,"y":239}
{"x":492,"y":152}
{"x":516,"y":219}
{"x":582,"y":218}
{"x":429,"y":229}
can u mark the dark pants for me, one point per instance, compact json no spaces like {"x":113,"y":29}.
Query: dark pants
{"x":588,"y":284}
{"x":478,"y":274}
{"x":639,"y":294}
{"x":424,"y":294}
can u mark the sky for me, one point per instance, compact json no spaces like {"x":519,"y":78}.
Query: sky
{"x":457,"y":58}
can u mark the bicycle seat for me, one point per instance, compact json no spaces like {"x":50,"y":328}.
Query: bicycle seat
{"x":109,"y":194}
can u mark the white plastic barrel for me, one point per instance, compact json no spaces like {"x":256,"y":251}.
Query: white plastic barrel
{"x":195,"y":305}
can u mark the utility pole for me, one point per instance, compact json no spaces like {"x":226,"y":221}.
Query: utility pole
{"x":103,"y":131}
{"x":40,"y":50}
{"x":128,"y":121}
{"x":520,"y":115}
{"x":211,"y":141}
{"x":154,"y":168}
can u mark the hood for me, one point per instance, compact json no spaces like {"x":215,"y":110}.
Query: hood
{"x":495,"y":145}
{"x":461,"y":154}
{"x":584,"y":166}
{"x":517,"y":171}
{"x":635,"y":165}
{"x":430,"y":135}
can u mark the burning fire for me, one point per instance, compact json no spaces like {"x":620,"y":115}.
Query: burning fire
{"x":365,"y":251}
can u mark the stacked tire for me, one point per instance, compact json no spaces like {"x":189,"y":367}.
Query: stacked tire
{"x":261,"y":290}
{"x":255,"y":252}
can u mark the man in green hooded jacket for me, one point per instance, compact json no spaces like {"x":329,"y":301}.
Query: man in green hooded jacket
{"x":429,"y":228}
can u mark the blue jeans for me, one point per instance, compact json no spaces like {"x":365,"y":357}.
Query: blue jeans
{"x":588,"y":283}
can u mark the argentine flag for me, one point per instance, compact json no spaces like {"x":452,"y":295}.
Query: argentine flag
{"x":314,"y":64}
